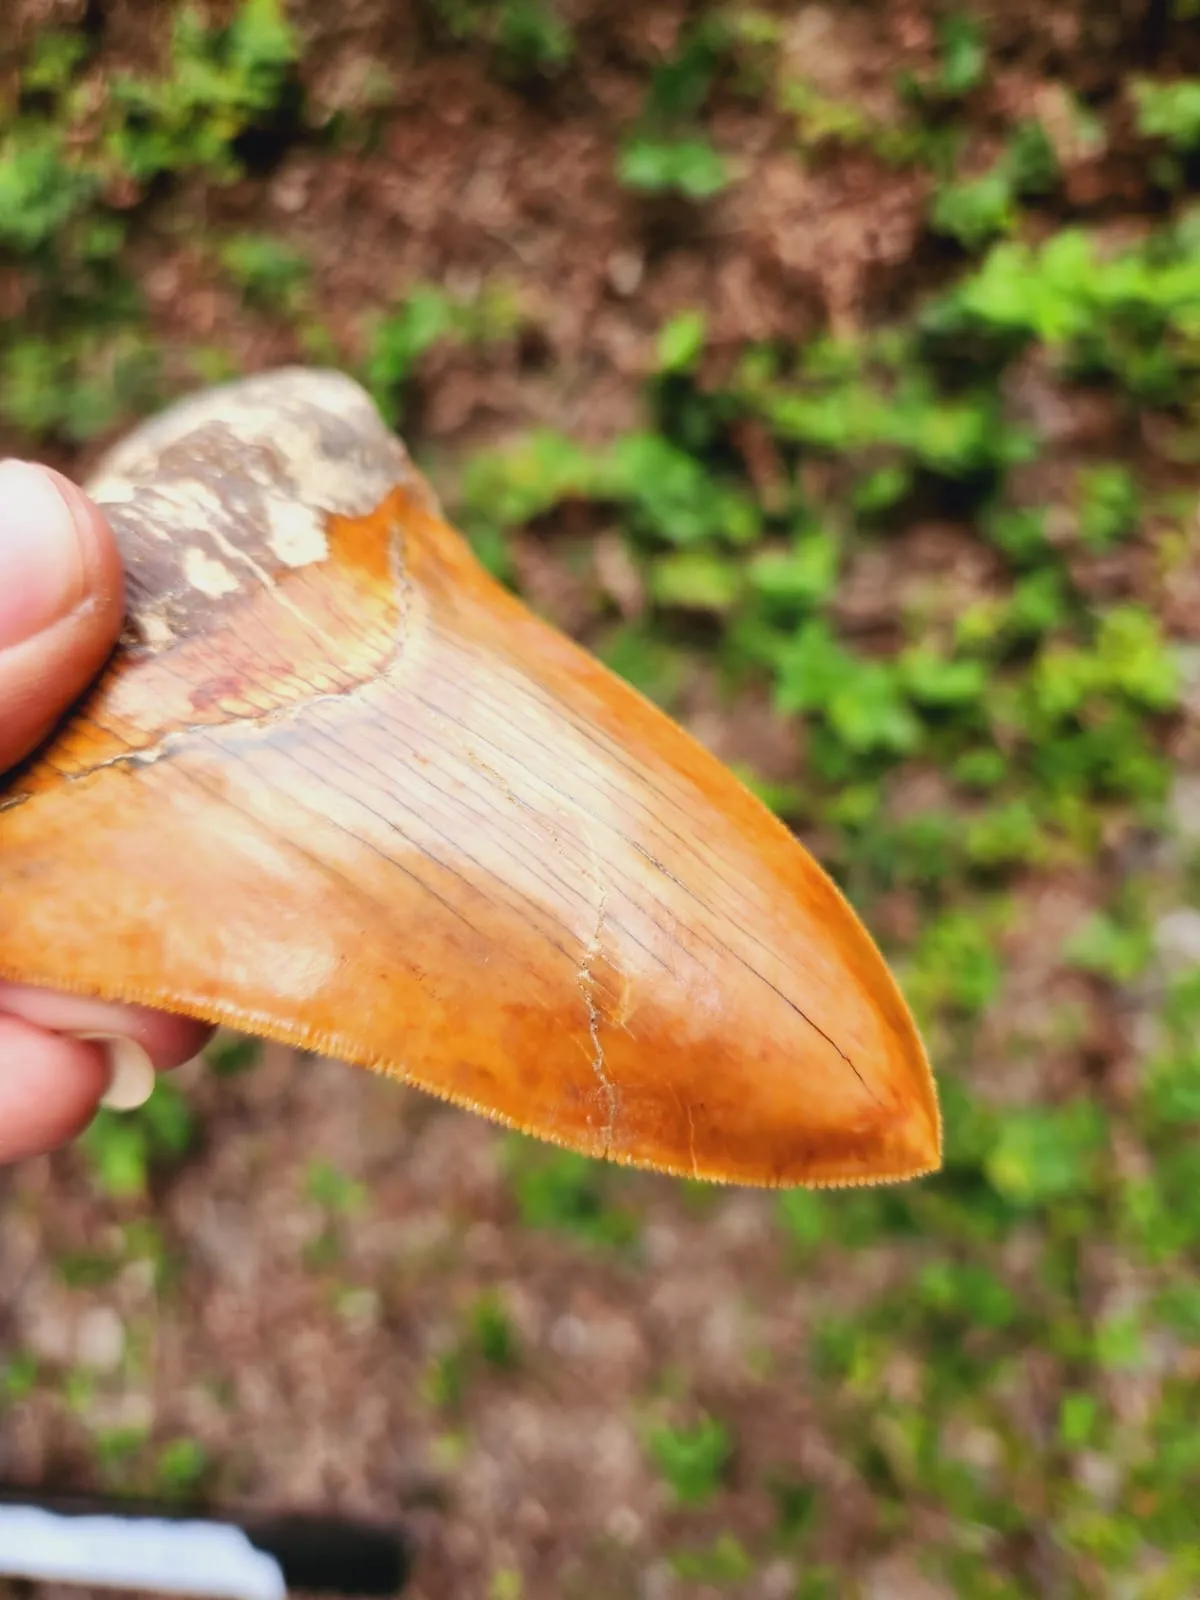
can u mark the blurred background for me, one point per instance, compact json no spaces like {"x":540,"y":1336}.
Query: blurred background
{"x":833,"y":372}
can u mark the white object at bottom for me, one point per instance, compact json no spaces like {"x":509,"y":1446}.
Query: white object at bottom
{"x":180,"y":1558}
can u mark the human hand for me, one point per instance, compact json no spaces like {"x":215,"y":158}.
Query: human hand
{"x":61,"y":607}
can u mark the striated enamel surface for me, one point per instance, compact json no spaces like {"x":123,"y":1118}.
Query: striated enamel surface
{"x":339,"y":788}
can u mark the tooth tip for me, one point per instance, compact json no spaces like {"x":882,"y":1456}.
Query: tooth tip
{"x":840,"y":1119}
{"x":905,"y":1143}
{"x":918,"y":1139}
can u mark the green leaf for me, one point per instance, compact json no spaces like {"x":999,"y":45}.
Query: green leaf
{"x":530,"y":34}
{"x":687,"y":166}
{"x":223,"y":80}
{"x":692,"y":1460}
{"x":725,"y":1561}
{"x":799,"y":578}
{"x":803,"y":1214}
{"x":1006,"y":835}
{"x":673,"y":497}
{"x":1169,"y":111}
{"x":976,"y":210}
{"x":53,"y":63}
{"x":1019,"y":532}
{"x":40,"y":189}
{"x":508,"y":487}
{"x":400,"y":339}
{"x":18,"y":1376}
{"x":681,"y":341}
{"x":964,"y":56}
{"x":270,"y":272}
{"x":869,"y":712}
{"x":118,"y":1155}
{"x":1030,"y":159}
{"x":968,"y":1293}
{"x":1039,"y":604}
{"x":1108,"y":505}
{"x":940,"y":682}
{"x":493,"y":1332}
{"x":882,"y":489}
{"x":1135,"y":659}
{"x":696,"y":581}
{"x":1077,"y":1419}
{"x":1041,"y":1156}
{"x":123,"y":1147}
{"x":182,"y":1466}
{"x":1111,"y":948}
{"x":1179,"y":1306}
{"x":809,"y":669}
{"x":954,"y":965}
{"x":334,"y":1190}
{"x":565,"y":1192}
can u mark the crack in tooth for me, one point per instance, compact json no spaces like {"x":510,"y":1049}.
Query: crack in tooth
{"x":691,"y":1122}
{"x":587,"y":988}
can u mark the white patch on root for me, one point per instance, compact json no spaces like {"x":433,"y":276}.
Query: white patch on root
{"x":279,"y":412}
{"x":297,"y":535}
{"x":212,"y":577}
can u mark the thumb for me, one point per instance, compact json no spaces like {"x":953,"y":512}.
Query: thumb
{"x":61,"y":601}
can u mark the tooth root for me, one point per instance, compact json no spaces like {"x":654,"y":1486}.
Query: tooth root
{"x":477,"y":862}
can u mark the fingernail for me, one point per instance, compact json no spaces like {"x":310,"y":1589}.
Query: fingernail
{"x":133,"y":1076}
{"x":43,"y":552}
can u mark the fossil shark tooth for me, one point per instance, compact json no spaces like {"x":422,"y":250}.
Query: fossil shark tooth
{"x":337,"y":787}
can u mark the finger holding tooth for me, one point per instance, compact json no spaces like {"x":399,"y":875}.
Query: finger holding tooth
{"x":61,"y":609}
{"x":62,"y":1055}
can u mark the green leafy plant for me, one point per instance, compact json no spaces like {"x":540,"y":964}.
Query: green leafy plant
{"x":1108,"y":505}
{"x":334,"y":1191}
{"x":985,"y":207}
{"x":272,"y":275}
{"x":493,"y":1334}
{"x":681,"y":342}
{"x":182,"y":1467}
{"x":1111,"y":947}
{"x":1128,"y":316}
{"x":339,"y":1198}
{"x":426,"y":317}
{"x":690,"y":167}
{"x":1169,"y":111}
{"x":222,"y":82}
{"x":691,"y":1460}
{"x":960,"y":68}
{"x":18,"y":1377}
{"x":527,"y":38}
{"x":558,"y":1190}
{"x":124,"y":1149}
{"x":963,"y":55}
{"x":667,"y":152}
{"x":725,"y":1561}
{"x":487,"y":1342}
{"x":41,"y":188}
{"x":1047,"y":1155}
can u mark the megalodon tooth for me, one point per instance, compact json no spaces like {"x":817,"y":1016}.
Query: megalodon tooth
{"x":337,"y":787}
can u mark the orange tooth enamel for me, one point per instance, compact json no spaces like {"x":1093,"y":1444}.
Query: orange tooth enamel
{"x":338,"y":788}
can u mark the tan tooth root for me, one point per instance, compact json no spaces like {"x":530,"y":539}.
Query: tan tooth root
{"x":338,"y":788}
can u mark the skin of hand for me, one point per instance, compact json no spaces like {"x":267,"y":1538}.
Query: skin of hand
{"x":61,"y":609}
